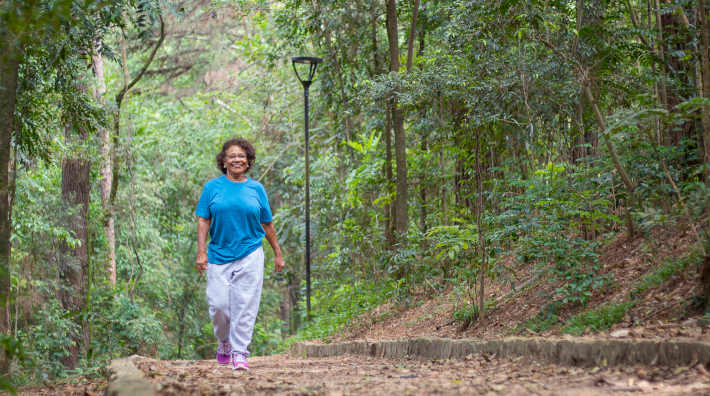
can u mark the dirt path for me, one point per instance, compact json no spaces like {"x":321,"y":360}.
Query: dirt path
{"x":355,"y":375}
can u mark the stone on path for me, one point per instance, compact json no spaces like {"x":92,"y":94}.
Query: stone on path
{"x":620,"y":334}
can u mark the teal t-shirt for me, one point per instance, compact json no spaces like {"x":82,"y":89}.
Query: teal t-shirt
{"x":237,"y":211}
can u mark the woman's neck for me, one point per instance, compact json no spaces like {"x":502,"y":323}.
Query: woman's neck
{"x":236,"y":178}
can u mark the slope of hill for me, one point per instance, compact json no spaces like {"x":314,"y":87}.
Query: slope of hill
{"x":654,"y":290}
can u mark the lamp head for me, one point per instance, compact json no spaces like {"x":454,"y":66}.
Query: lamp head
{"x":312,"y":63}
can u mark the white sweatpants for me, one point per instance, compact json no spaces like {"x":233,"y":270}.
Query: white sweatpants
{"x":234,"y":294}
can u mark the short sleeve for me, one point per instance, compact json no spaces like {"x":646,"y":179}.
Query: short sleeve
{"x":203,"y":205}
{"x":265,"y":215}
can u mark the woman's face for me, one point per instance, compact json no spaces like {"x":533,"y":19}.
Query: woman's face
{"x":236,"y":161}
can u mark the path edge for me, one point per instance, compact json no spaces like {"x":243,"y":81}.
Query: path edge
{"x":126,"y":380}
{"x":566,"y":352}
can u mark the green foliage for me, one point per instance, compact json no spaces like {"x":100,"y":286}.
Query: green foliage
{"x":493,"y":96}
{"x":453,"y":240}
{"x":467,"y":314}
{"x":573,"y":262}
{"x":348,"y":306}
{"x":537,"y":324}
{"x":13,"y":350}
{"x":52,"y":336}
{"x":664,"y":271}
{"x":128,"y":329}
{"x":598,"y":319}
{"x":543,"y":239}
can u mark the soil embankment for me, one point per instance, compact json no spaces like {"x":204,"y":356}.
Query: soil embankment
{"x":662,"y":299}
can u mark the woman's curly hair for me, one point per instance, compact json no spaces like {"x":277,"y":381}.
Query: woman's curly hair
{"x":249,"y":150}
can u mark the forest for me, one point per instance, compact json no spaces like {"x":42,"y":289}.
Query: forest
{"x":452,"y":142}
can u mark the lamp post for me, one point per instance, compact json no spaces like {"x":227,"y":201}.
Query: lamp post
{"x":312,"y":66}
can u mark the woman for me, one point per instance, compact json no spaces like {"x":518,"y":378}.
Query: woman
{"x":235,"y":211}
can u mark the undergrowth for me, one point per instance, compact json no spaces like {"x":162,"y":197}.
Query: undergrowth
{"x":352,"y":306}
{"x":347,"y":307}
{"x":607,"y":315}
{"x":538,"y":323}
{"x":666,"y":269}
{"x":598,"y":319}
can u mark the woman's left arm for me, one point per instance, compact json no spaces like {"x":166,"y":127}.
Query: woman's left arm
{"x":274,"y":242}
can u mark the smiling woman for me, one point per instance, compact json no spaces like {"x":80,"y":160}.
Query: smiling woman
{"x":235,"y":210}
{"x":236,"y":158}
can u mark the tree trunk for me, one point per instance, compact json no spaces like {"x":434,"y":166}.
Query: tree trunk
{"x":285,"y":307}
{"x":73,"y":261}
{"x":422,"y":192}
{"x":97,"y":63}
{"x":390,"y":213}
{"x":443,"y":166}
{"x":705,"y":281}
{"x":400,"y":144}
{"x":630,"y":188}
{"x":412,"y":33}
{"x":294,"y":289}
{"x":400,"y":155}
{"x":375,"y":46}
{"x":8,"y":91}
{"x":481,"y":237}
{"x":705,"y":76}
{"x":579,"y":149}
{"x":661,"y":54}
{"x":442,"y":161}
{"x":117,"y":120}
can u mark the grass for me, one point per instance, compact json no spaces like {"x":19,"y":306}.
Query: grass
{"x":348,"y":306}
{"x":667,"y":269}
{"x":598,"y":319}
{"x":537,"y":323}
{"x":605,"y":316}
{"x":418,"y":320}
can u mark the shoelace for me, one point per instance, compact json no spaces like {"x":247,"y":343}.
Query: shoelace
{"x":224,"y":348}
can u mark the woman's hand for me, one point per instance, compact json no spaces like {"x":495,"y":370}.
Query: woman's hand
{"x":203,"y":227}
{"x":274,"y":242}
{"x":279,"y":264}
{"x":201,"y":262}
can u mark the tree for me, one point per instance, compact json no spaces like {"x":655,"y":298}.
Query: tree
{"x":74,"y":260}
{"x":110,"y":166}
{"x":25,"y":27}
{"x":99,"y":92}
{"x":400,"y":139}
{"x":8,"y":86}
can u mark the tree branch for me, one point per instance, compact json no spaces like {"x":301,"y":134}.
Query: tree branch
{"x":636,"y":25}
{"x":552,"y":47}
{"x":580,"y":15}
{"x":122,"y":92}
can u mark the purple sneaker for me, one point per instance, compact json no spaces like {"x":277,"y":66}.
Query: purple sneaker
{"x":239,"y":362}
{"x":224,"y":354}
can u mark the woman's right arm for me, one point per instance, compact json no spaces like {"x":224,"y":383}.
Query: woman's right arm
{"x":203,"y":227}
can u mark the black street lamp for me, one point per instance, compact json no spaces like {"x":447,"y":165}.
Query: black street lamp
{"x":312,"y":66}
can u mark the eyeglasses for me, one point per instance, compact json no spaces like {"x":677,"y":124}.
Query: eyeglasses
{"x":233,"y":157}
